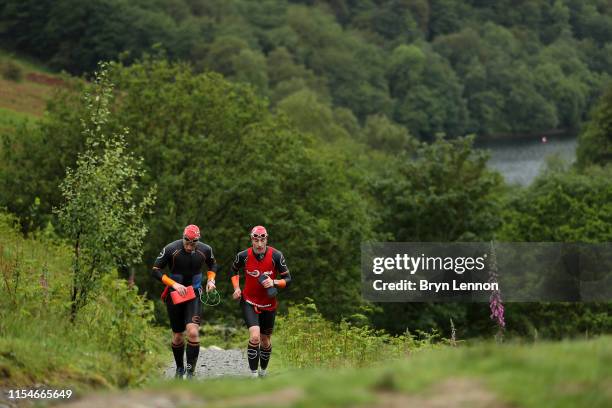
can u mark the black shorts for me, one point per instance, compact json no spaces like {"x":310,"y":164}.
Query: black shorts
{"x":183,"y":313}
{"x":264,"y":319}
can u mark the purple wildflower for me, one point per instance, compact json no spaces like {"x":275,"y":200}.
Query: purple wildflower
{"x":495,"y":301}
{"x":497,"y":309}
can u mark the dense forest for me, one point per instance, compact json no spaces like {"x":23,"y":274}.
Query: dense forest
{"x":332,"y":123}
{"x":447,"y":67}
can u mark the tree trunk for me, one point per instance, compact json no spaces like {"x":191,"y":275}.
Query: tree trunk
{"x":75,"y":281}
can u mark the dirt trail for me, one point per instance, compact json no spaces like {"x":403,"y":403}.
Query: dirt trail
{"x":215,"y":362}
{"x":212,"y":362}
{"x":452,"y":393}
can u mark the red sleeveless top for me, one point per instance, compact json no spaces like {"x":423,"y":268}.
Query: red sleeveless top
{"x":254,"y":292}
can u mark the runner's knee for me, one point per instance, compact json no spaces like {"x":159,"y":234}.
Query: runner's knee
{"x":266,"y":341}
{"x":193,"y":332}
{"x":254,"y":335}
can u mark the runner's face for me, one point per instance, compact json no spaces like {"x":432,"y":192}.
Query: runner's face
{"x":189,"y":245}
{"x":259,"y":242}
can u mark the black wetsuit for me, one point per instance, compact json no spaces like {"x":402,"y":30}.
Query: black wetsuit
{"x":186,"y":269}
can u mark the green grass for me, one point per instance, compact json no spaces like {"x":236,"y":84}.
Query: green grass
{"x":38,"y":342}
{"x":64,"y":360}
{"x":57,"y":354}
{"x":563,"y":374}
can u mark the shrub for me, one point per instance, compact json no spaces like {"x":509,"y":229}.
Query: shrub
{"x":111,"y":343}
{"x":306,"y":339}
{"x":118,"y":320}
{"x":11,"y":71}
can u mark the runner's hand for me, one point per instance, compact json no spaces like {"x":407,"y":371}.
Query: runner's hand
{"x":179,"y":288}
{"x":237,"y":294}
{"x":268,"y":283}
{"x":210,"y":285}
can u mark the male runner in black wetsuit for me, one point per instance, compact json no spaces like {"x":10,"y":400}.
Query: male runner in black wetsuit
{"x":185,"y":259}
{"x":258,"y":308}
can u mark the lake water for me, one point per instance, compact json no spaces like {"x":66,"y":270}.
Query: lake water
{"x":521,"y":161}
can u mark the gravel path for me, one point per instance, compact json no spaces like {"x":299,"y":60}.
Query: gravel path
{"x":215,"y":362}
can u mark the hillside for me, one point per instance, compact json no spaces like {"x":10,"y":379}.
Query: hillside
{"x":25,"y":89}
{"x":437,"y":66}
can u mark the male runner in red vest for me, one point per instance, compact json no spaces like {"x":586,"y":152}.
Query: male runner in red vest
{"x":264,"y":268}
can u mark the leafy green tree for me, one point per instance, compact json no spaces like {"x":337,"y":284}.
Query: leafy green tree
{"x":569,"y":94}
{"x":589,"y":22}
{"x":221,"y":54}
{"x":428,"y":92}
{"x":474,"y":61}
{"x":569,"y":55}
{"x":344,"y":117}
{"x":562,"y":206}
{"x":446,"y":16}
{"x":391,"y":20}
{"x":555,"y":22}
{"x":406,"y":67}
{"x":487,"y":113}
{"x":250,"y":67}
{"x":595,"y":142}
{"x":23,"y":26}
{"x":310,"y":115}
{"x":380,"y":133}
{"x":527,"y":110}
{"x":287,"y":77}
{"x":267,"y":19}
{"x":281,"y":66}
{"x":446,"y":194}
{"x":462,"y":49}
{"x":103,"y":212}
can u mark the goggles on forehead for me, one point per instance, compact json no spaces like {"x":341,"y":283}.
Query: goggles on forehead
{"x":259,"y":236}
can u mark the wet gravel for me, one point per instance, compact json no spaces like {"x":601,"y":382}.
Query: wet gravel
{"x":216,"y":362}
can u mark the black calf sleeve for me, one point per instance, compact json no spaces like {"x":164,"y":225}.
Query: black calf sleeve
{"x":264,"y":356}
{"x":253,"y":355}
{"x":178,"y":350}
{"x":193,"y":350}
